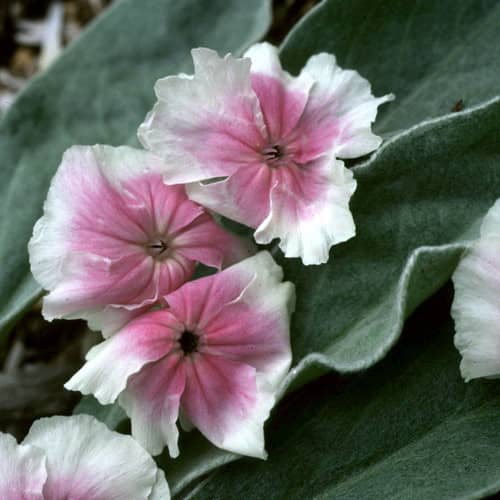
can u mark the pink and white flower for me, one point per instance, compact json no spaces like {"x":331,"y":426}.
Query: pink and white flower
{"x":216,"y":355}
{"x":115,"y":238}
{"x":79,"y":458}
{"x":274,"y":139}
{"x":476,"y":304}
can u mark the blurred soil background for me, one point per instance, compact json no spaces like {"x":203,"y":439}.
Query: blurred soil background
{"x":40,"y":356}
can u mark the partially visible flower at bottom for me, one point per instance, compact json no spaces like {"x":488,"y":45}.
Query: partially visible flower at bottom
{"x":216,"y":356}
{"x":476,"y":305}
{"x":77,"y":458}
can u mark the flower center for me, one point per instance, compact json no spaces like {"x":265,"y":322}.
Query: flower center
{"x":157,"y":248}
{"x":188,"y":342}
{"x":273,"y":154}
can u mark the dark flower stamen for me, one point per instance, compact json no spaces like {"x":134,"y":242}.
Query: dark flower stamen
{"x":188,"y":342}
{"x":271,"y":153}
{"x":158,"y":247}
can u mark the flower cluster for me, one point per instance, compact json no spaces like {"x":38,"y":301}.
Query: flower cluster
{"x":124,"y":230}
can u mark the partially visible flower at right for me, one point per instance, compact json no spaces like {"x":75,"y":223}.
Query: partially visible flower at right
{"x":77,"y":458}
{"x":114,"y":238}
{"x":215,"y":357}
{"x":476,"y":305}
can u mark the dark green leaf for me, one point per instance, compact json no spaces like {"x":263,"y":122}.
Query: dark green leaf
{"x":430,"y":54}
{"x":418,"y":199}
{"x":198,"y":457}
{"x":408,"y":428}
{"x":99,"y":92}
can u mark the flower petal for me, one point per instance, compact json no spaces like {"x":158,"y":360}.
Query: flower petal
{"x":223,"y":401}
{"x":282,"y":97}
{"x":475,"y":308}
{"x":199,"y":301}
{"x":310,"y":210}
{"x":87,"y":461}
{"x":206,"y":242}
{"x":160,"y":488}
{"x":152,"y":400}
{"x":254,"y":328}
{"x":111,"y":363}
{"x":339,"y":113}
{"x":22,"y":470}
{"x":206,"y":125}
{"x":243,"y":197}
{"x":93,"y":282}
